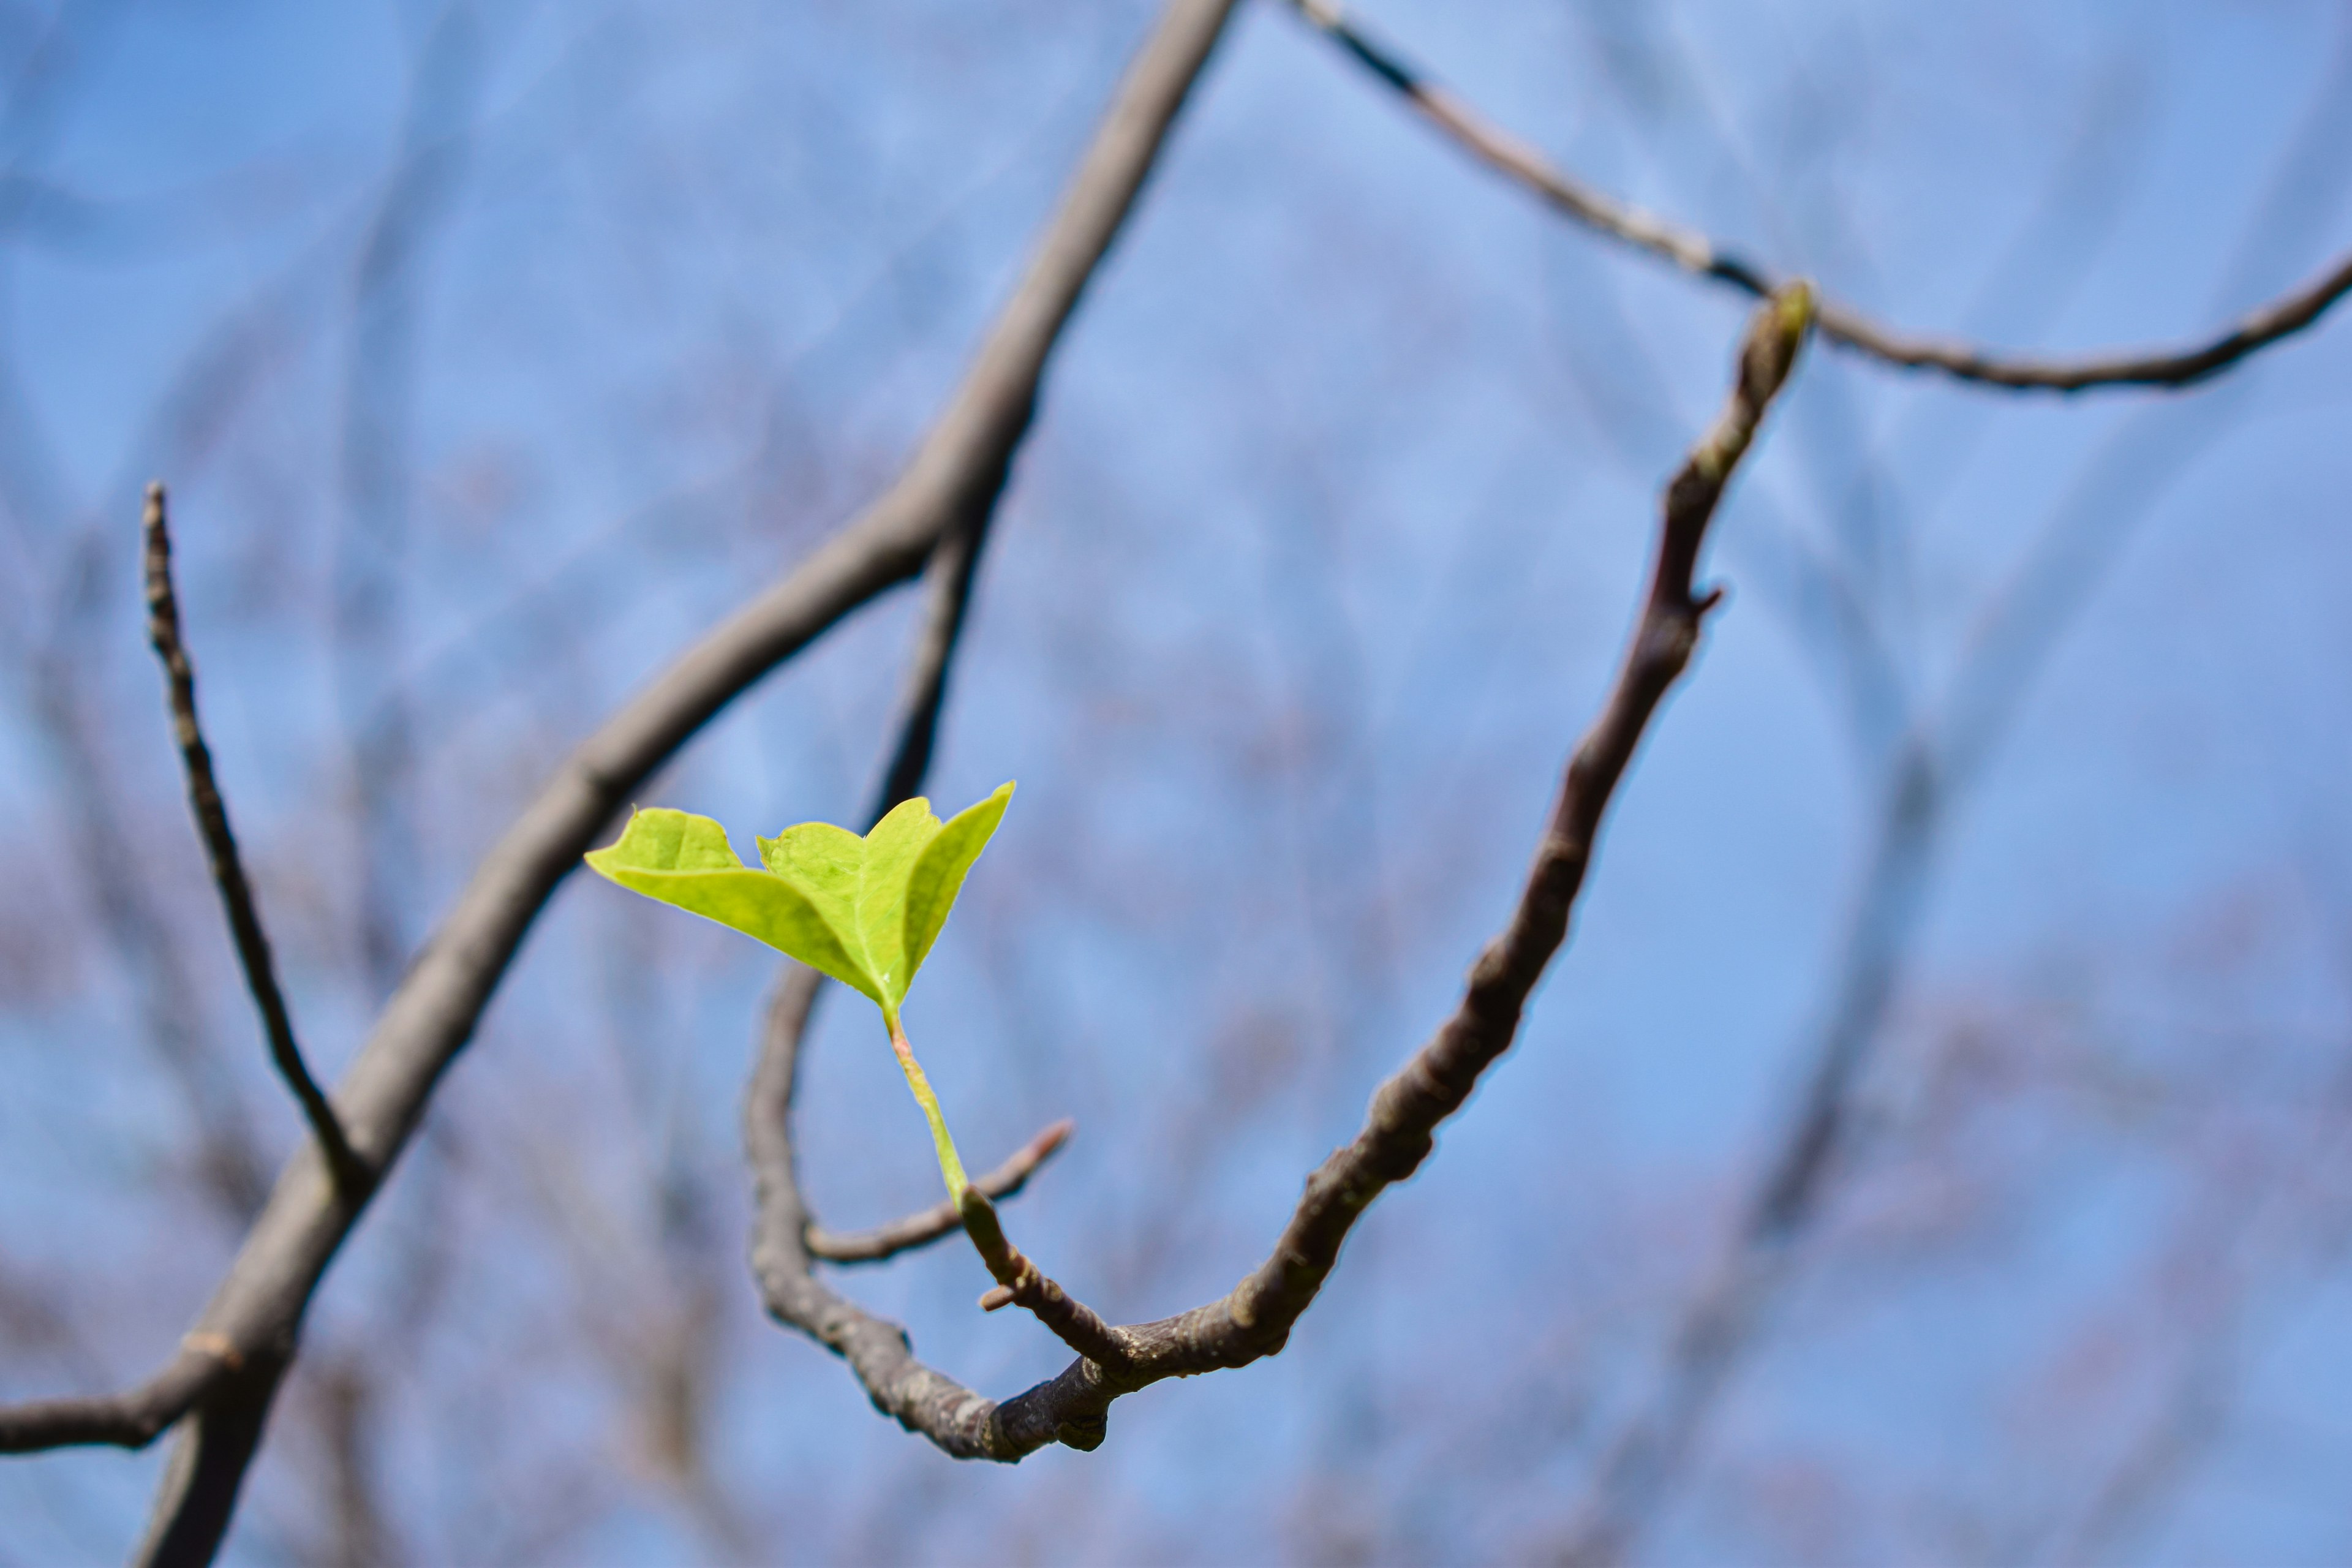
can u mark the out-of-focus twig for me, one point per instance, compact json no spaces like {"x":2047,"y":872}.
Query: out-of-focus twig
{"x":220,"y":848}
{"x":1695,"y":253}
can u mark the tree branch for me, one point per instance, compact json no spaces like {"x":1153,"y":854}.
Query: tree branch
{"x":1695,"y":253}
{"x":130,"y":1420}
{"x":220,"y":848}
{"x":1254,"y":1320}
{"x":1020,"y":1282}
{"x":198,"y":1496}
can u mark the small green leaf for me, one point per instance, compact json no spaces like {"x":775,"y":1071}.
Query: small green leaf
{"x":864,"y":910}
{"x":890,"y":852}
{"x":938,"y":873}
{"x":684,"y":859}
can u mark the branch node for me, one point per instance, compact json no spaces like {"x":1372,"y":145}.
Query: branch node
{"x":220,"y":1347}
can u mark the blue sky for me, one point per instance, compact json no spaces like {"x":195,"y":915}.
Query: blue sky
{"x":1315,"y":565}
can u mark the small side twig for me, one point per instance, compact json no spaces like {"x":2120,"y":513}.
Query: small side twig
{"x":927,"y":1226}
{"x":129,"y":1420}
{"x":1698,"y":254}
{"x":351,"y":1172}
{"x":1020,"y":1282}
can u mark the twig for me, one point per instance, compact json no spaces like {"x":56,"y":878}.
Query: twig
{"x":927,"y":1226}
{"x":220,"y":847}
{"x":953,"y":566}
{"x":1020,"y":1282}
{"x":1695,"y":253}
{"x":130,"y":1420}
{"x":1255,"y":1317}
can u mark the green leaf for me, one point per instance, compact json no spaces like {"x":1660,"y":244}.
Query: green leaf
{"x":939,"y":872}
{"x":684,"y":859}
{"x":864,"y":910}
{"x":890,"y":852}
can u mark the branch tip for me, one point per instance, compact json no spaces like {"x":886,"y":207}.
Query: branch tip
{"x":350,"y":1174}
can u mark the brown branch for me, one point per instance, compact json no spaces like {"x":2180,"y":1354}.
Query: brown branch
{"x":927,"y":1226}
{"x":1399,"y":1132}
{"x":961,"y":1423}
{"x":220,"y":848}
{"x":1695,"y":253}
{"x":130,"y":1420}
{"x":1020,"y":1282}
{"x":198,"y":1496}
{"x":1256,"y":1319}
{"x":951,"y":483}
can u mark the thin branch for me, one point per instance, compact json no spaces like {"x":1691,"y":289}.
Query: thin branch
{"x":953,"y":480}
{"x":951,"y":1416}
{"x":1255,"y":1317}
{"x":1695,"y":253}
{"x":927,"y":1226}
{"x":1020,"y":1282}
{"x":954,"y":565}
{"x":220,"y":848}
{"x":130,"y":1420}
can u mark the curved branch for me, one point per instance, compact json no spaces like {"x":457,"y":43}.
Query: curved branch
{"x":1695,"y":253}
{"x":1255,"y":1317}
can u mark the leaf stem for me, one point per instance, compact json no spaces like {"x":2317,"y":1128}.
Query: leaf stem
{"x":951,"y":1163}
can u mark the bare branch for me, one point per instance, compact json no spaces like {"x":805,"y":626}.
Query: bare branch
{"x":1254,"y":1320}
{"x":927,"y":1226}
{"x":1020,"y":1282}
{"x":954,"y":564}
{"x":130,"y":1420}
{"x":220,"y":848}
{"x":197,"y":1496}
{"x":1695,"y":253}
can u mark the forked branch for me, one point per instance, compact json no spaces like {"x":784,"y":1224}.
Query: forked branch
{"x":129,"y":1420}
{"x":1695,"y":253}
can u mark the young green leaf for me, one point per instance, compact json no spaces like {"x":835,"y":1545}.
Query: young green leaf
{"x":686,"y":860}
{"x":864,"y":910}
{"x":890,"y":852}
{"x":937,"y":876}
